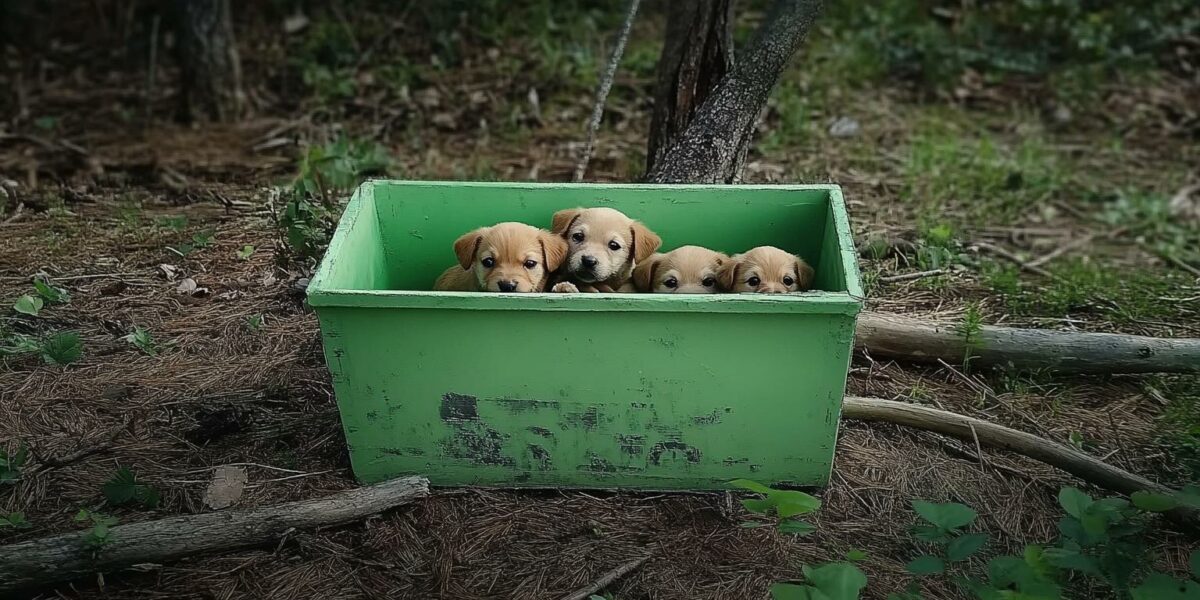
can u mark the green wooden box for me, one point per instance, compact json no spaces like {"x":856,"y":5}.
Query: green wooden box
{"x":650,"y":391}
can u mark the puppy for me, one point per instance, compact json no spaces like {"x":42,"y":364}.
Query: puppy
{"x":684,"y":270}
{"x":603,"y":247}
{"x":506,"y":257}
{"x":765,"y":270}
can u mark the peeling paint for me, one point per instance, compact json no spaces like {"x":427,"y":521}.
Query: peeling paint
{"x":541,"y":457}
{"x":632,"y":444}
{"x":459,"y":407}
{"x":690,"y":453}
{"x":542,"y":431}
{"x":711,"y":418}
{"x":597,"y":464}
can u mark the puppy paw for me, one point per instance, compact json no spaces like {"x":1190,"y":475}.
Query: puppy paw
{"x":565,"y":287}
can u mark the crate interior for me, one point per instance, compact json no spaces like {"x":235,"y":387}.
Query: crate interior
{"x":401,"y":234}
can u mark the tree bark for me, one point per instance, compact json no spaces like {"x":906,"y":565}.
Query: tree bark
{"x":1083,"y":466}
{"x":210,"y":69}
{"x":697,"y":53}
{"x":63,"y":557}
{"x":910,"y":339}
{"x":713,"y":146}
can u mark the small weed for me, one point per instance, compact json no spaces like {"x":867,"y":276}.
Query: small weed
{"x":28,"y":305}
{"x":1150,"y":219}
{"x":10,"y":464}
{"x":246,"y":252}
{"x":124,"y":487}
{"x":838,"y":580}
{"x":15,"y":520}
{"x":784,"y":505}
{"x":62,"y":348}
{"x":1179,"y":424}
{"x":1082,"y":286}
{"x":144,"y":341}
{"x":54,"y":295}
{"x":254,"y":322}
{"x":971,"y":331}
{"x":100,"y":533}
{"x":175,"y":223}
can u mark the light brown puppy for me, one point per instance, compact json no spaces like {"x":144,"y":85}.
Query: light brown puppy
{"x":766,"y":270}
{"x":684,"y":270}
{"x":506,"y":257}
{"x":604,"y":246}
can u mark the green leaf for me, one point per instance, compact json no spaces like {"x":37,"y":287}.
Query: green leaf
{"x":28,"y":305}
{"x":757,"y":506}
{"x":62,"y":348}
{"x":1158,"y":586}
{"x":837,"y":581}
{"x":51,"y":294}
{"x":1074,"y":501}
{"x":254,"y":322}
{"x":926,"y":565}
{"x":791,"y":591}
{"x":753,"y":486}
{"x":790,"y":503}
{"x":1072,"y":560}
{"x":147,"y":495}
{"x":1151,"y":502}
{"x":963,"y":546}
{"x":245,"y":252}
{"x":1194,"y":563}
{"x":82,"y":515}
{"x":855,"y":555}
{"x":121,"y":488}
{"x":930,"y":533}
{"x":950,"y":515}
{"x":797,"y":527}
{"x":15,"y":520}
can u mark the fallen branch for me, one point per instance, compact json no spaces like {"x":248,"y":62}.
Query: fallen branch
{"x":606,"y":579}
{"x":970,"y":429}
{"x":918,"y":340}
{"x":606,"y":82}
{"x":912,"y":276}
{"x":63,"y":557}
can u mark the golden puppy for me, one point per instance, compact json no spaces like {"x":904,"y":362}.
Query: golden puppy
{"x":766,"y":270}
{"x":684,"y":270}
{"x":506,"y":257}
{"x":604,"y":246}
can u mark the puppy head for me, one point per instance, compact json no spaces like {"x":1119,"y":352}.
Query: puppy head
{"x":603,"y":244}
{"x":766,"y":270}
{"x":684,"y":270}
{"x":510,"y":257}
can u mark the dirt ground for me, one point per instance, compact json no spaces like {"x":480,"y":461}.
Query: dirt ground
{"x":101,"y":172}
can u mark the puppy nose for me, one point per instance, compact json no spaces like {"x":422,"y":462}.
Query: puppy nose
{"x":507,"y":286}
{"x":588,"y":261}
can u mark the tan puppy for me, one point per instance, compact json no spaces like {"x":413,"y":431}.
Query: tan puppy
{"x":604,"y":246}
{"x":766,"y":270}
{"x":506,"y":257}
{"x":684,"y":270}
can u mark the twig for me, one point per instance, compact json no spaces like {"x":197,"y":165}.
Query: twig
{"x":978,"y":449}
{"x":1057,"y":252}
{"x":608,"y":578}
{"x":1001,"y":252}
{"x":106,"y":441}
{"x":912,"y":276}
{"x":1175,"y":260}
{"x":602,"y":91}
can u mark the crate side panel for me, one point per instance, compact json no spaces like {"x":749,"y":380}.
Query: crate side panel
{"x":421,"y":221}
{"x":356,"y":258}
{"x":679,"y":401}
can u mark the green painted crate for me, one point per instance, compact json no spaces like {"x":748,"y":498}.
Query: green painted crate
{"x":646,"y":391}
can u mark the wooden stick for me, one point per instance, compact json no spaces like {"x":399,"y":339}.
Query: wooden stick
{"x":1079,"y":464}
{"x":62,"y":557}
{"x":912,"y":276}
{"x":606,"y":579}
{"x":918,"y":340}
{"x":606,"y":82}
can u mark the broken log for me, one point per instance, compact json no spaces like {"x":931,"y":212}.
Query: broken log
{"x":911,"y":339}
{"x":37,"y":563}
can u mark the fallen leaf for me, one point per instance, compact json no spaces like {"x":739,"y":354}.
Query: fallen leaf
{"x":170,"y":272}
{"x":186,"y":286}
{"x":226,"y":487}
{"x":230,"y":295}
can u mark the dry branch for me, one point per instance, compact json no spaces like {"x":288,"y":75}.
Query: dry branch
{"x":63,"y":557}
{"x":606,"y":579}
{"x":970,"y":429}
{"x":602,"y":90}
{"x":918,"y":340}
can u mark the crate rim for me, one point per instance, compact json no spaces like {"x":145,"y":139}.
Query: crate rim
{"x":847,"y":302}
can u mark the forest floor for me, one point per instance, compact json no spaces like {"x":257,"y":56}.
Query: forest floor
{"x":105,"y":189}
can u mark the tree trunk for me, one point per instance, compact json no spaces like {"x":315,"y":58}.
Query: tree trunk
{"x":713,"y":146}
{"x":1061,"y":351}
{"x":63,"y":557}
{"x":697,"y":52}
{"x":210,"y":70}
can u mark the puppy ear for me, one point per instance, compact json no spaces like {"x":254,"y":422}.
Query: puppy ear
{"x":728,"y":273}
{"x":645,"y":242}
{"x":466,"y":246}
{"x":643,"y":273}
{"x":554,"y":250}
{"x":804,"y":274}
{"x":563,"y":219}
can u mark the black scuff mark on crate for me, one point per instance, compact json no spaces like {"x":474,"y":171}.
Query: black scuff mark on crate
{"x":731,"y":461}
{"x":542,"y":431}
{"x":459,"y":407}
{"x":631,"y":444}
{"x":541,"y":458}
{"x":518,"y":405}
{"x":588,"y":418}
{"x":690,"y":453}
{"x":372,"y":415}
{"x":711,"y":418}
{"x":597,"y":464}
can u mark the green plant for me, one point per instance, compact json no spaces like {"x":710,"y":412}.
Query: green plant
{"x":100,"y":533}
{"x":10,"y":464}
{"x":62,"y":348}
{"x":830,"y":581}
{"x":15,"y":520}
{"x":28,"y":305}
{"x":144,"y":341}
{"x":254,"y":322}
{"x":246,"y":252}
{"x":124,"y":487}
{"x":971,"y":331}
{"x":51,"y":294}
{"x":174,"y":223}
{"x":943,"y":529}
{"x":784,"y":505}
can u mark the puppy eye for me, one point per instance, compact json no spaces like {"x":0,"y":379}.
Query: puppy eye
{"x":577,"y":236}
{"x":614,"y":246}
{"x":709,"y":282}
{"x":788,"y":281}
{"x":671,"y":282}
{"x":753,"y":281}
{"x":529,"y":264}
{"x":488,"y":262}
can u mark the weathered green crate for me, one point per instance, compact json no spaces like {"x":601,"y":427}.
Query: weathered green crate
{"x":646,"y":391}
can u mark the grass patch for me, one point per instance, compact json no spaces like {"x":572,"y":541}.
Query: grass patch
{"x":1180,"y":422}
{"x":1082,"y":287}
